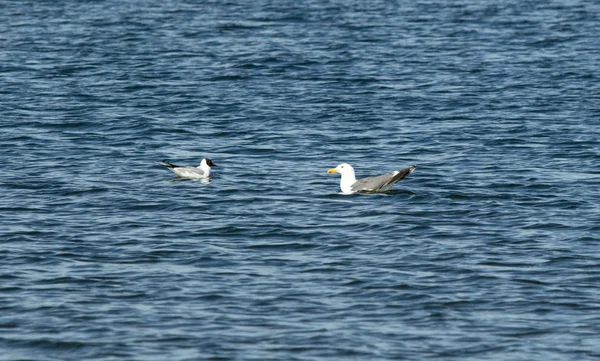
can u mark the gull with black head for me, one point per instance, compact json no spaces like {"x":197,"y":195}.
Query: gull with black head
{"x":200,"y":172}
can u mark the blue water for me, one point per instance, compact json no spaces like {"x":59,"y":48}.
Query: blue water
{"x":490,"y":250}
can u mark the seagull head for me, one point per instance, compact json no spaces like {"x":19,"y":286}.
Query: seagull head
{"x":342,"y":169}
{"x":347,"y":178}
{"x":207,"y":162}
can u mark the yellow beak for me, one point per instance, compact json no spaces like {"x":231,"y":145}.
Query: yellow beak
{"x":332,"y":170}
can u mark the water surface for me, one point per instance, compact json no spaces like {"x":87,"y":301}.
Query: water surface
{"x":488,"y":251}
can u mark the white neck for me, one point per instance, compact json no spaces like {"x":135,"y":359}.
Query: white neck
{"x":347,"y":180}
{"x":205,"y":168}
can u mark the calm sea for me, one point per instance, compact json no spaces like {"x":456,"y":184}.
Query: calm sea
{"x":490,"y":250}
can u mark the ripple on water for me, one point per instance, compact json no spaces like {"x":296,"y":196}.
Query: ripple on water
{"x":488,"y":249}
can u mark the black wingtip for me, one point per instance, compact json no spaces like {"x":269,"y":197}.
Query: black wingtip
{"x":402,"y":174}
{"x":168,"y":165}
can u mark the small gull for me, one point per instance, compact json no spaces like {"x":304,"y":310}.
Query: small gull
{"x":380,"y":183}
{"x":200,"y":172}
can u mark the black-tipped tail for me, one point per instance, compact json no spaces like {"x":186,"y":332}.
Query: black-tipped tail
{"x":168,"y":165}
{"x":402,"y":174}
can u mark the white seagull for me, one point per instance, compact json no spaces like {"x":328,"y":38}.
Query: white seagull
{"x":200,"y":172}
{"x":380,"y":183}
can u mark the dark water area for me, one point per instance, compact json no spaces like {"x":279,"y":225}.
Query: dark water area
{"x":490,"y":250}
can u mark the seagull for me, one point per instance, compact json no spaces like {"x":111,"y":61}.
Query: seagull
{"x":380,"y":183}
{"x":200,"y":172}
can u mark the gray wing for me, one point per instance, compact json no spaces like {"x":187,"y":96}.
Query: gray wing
{"x":381,"y":182}
{"x":188,"y":172}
